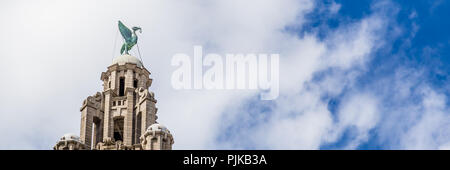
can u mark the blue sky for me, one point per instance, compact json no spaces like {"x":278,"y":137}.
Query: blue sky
{"x":428,"y":50}
{"x":416,"y":42}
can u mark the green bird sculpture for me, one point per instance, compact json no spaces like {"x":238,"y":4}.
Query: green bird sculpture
{"x":129,"y":36}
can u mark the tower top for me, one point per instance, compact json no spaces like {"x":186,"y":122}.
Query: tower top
{"x":126,"y":58}
{"x":123,"y":115}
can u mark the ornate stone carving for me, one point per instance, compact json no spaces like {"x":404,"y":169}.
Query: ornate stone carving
{"x":93,"y":101}
{"x":145,"y":94}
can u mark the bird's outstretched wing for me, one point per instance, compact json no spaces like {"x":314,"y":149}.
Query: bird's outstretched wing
{"x":126,"y":32}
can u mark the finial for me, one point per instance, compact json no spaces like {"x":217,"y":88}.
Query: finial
{"x":129,"y":36}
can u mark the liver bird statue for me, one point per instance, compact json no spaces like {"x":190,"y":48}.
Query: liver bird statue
{"x":129,"y":36}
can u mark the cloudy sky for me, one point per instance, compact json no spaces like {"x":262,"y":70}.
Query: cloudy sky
{"x":353,"y":74}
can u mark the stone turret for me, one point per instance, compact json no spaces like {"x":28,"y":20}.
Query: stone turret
{"x":157,"y":137}
{"x":69,"y":142}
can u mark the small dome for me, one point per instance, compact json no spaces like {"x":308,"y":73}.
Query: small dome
{"x":157,"y":127}
{"x":70,"y":136}
{"x":123,"y":59}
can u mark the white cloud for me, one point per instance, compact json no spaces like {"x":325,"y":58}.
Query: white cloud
{"x":413,"y":115}
{"x":359,"y":112}
{"x":429,"y":130}
{"x":334,"y":7}
{"x":300,"y":118}
{"x":413,"y":15}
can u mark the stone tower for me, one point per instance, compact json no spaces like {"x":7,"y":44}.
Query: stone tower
{"x":123,"y":115}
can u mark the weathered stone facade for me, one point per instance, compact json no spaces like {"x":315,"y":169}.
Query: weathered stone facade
{"x":123,"y":115}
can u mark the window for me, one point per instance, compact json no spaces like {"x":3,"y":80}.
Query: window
{"x":118,"y":129}
{"x":135,"y":83}
{"x":122,"y":86}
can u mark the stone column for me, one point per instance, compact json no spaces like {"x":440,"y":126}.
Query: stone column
{"x":112,"y":78}
{"x":129,"y":78}
{"x":144,"y":116}
{"x":86,"y":125}
{"x":108,"y":128}
{"x":128,"y":121}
